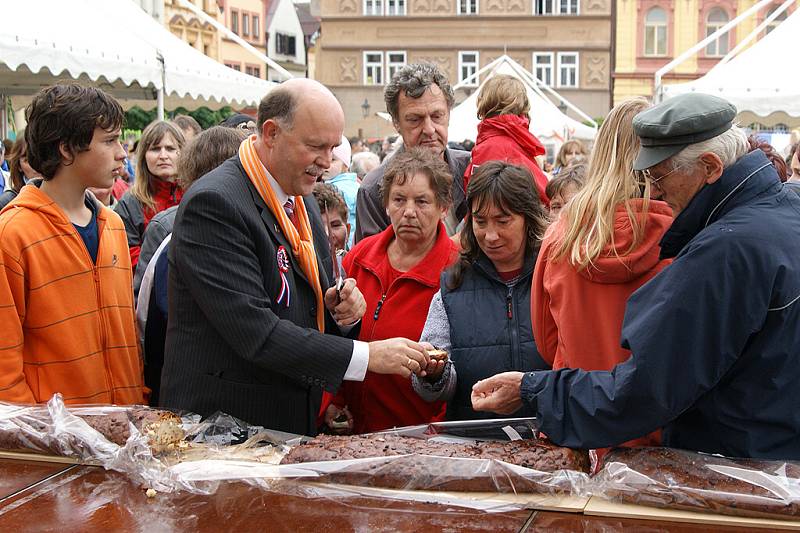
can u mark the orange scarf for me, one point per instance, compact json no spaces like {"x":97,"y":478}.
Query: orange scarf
{"x":303,"y":242}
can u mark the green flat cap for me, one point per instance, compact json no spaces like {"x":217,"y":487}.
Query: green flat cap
{"x":666,"y":129}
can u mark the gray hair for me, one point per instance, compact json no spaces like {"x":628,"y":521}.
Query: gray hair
{"x":414,"y":80}
{"x":729,"y":146}
{"x":360,"y":160}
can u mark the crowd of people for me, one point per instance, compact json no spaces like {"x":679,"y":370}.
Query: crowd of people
{"x":643,"y":292}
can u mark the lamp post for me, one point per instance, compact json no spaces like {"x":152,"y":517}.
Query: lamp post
{"x":365,"y":108}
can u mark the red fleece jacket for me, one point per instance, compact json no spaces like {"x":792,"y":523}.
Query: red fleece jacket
{"x":507,"y":138}
{"x":398,"y":309}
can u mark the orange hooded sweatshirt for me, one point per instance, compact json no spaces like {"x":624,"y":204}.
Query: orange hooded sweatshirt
{"x":66,"y":324}
{"x":577,"y":315}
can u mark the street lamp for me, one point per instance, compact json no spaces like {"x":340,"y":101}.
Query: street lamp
{"x":365,"y":108}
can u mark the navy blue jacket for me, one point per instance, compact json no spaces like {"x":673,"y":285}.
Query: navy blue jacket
{"x":490,"y":330}
{"x":715,"y":336}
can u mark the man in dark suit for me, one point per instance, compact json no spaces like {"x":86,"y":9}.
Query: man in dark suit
{"x":245,"y":312}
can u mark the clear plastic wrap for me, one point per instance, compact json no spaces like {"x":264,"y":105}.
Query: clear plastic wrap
{"x":679,"y":479}
{"x":197,"y":456}
{"x":451,"y":456}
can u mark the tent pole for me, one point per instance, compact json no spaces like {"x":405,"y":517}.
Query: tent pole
{"x":4,"y":117}
{"x":753,"y":34}
{"x":162,"y":89}
{"x":160,"y":104}
{"x":658,"y":91}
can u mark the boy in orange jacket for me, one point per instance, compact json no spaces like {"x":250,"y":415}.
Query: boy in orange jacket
{"x":66,"y":301}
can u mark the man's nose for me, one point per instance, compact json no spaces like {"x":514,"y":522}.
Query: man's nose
{"x":120,"y":151}
{"x":428,"y":126}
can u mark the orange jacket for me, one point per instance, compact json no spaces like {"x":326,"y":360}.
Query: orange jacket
{"x":577,"y":315}
{"x":66,"y":324}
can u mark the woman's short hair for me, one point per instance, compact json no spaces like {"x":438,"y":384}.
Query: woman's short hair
{"x":206,"y":152}
{"x":573,"y":175}
{"x":503,"y":95}
{"x":329,"y":197}
{"x":15,"y":157}
{"x":569,"y":146}
{"x":143,"y":188}
{"x":511,"y":189}
{"x":412,"y":161}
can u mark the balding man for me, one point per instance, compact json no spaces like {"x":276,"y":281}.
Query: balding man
{"x":249,"y":294}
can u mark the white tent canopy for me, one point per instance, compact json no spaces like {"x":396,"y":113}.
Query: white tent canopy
{"x":547,"y":121}
{"x":759,"y":79}
{"x":114,"y":44}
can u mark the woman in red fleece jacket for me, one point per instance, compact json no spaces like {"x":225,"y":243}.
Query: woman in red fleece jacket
{"x":398,"y":272}
{"x":503,"y":133}
{"x":155,"y":187}
{"x":603,"y":246}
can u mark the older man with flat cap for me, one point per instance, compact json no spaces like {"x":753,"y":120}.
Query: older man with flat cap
{"x":714,"y":337}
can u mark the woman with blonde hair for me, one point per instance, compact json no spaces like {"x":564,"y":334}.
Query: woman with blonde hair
{"x":503,"y":133}
{"x":155,"y":187}
{"x":604,"y":246}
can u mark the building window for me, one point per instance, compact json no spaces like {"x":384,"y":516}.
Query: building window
{"x":544,"y":7}
{"x":285,"y":44}
{"x":252,"y":71}
{"x":568,"y":69}
{"x":555,"y":7}
{"x":373,"y":8}
{"x":774,"y":24}
{"x":655,"y":32}
{"x":235,"y":21}
{"x":234,"y":66}
{"x":394,"y":61}
{"x":568,"y":7}
{"x":395,"y":7}
{"x":256,"y":27}
{"x":467,"y":66}
{"x":543,"y":67}
{"x":245,"y":24}
{"x":373,"y":68}
{"x":715,"y":20}
{"x":468,"y":7}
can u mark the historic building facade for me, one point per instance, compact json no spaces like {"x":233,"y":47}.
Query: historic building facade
{"x":566,"y":43}
{"x":651,"y":33}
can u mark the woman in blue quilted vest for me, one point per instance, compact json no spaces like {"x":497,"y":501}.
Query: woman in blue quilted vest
{"x":481,"y":315}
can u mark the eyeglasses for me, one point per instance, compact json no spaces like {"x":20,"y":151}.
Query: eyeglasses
{"x":654,"y":181}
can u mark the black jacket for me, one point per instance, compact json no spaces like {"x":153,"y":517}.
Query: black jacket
{"x":230,"y":346}
{"x":490,"y":330}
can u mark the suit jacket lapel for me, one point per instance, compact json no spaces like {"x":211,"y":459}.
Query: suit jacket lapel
{"x":274,"y":229}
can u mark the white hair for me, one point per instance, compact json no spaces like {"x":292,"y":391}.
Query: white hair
{"x":729,"y":146}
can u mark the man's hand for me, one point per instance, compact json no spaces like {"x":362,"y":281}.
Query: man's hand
{"x":498,"y":394}
{"x":348,"y":305}
{"x":333,"y":419}
{"x":435,"y":367}
{"x":397,"y":356}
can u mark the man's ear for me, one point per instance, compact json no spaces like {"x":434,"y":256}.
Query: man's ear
{"x":712,"y":167}
{"x":269,"y":132}
{"x":67,"y":157}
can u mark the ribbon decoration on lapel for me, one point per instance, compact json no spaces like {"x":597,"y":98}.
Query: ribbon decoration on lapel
{"x":283,"y":267}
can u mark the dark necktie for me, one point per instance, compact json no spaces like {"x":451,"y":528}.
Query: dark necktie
{"x":289,"y":208}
